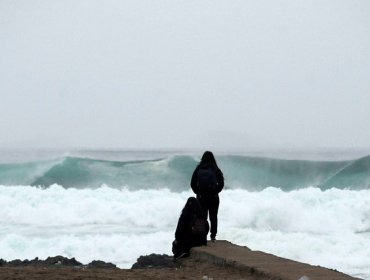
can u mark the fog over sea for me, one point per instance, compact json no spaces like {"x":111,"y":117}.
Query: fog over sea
{"x":118,"y":205}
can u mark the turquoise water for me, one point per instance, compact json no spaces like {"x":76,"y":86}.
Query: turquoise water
{"x":174,"y":171}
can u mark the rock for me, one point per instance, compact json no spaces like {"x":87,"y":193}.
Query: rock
{"x":60,"y":260}
{"x":154,"y":261}
{"x":3,"y":262}
{"x":50,"y":261}
{"x":55,"y":261}
{"x":17,"y":262}
{"x":101,"y":264}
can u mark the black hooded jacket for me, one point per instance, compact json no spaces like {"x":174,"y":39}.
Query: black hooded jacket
{"x":217,"y":172}
{"x":184,"y":234}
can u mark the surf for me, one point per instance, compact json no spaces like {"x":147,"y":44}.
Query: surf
{"x":174,"y":172}
{"x":321,"y":227}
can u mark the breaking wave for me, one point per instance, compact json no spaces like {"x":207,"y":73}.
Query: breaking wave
{"x":174,"y":173}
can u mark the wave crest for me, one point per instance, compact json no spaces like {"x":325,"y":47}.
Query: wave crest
{"x":174,"y":173}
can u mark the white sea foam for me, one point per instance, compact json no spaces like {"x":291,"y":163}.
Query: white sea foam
{"x":319,"y":227}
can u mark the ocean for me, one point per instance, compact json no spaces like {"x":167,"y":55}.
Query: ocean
{"x":117,"y":205}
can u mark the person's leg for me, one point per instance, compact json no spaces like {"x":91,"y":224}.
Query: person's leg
{"x":213,"y":211}
{"x":204,"y":203}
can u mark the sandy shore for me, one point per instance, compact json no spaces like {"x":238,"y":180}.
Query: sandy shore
{"x":220,"y":260}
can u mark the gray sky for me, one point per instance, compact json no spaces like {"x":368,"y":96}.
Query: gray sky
{"x":185,"y":74}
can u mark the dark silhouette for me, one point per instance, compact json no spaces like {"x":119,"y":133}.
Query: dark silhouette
{"x":188,"y":232}
{"x":207,"y":181}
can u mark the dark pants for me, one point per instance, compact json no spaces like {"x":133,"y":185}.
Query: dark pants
{"x":210,"y":205}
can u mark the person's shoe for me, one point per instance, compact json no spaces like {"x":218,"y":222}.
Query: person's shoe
{"x":182,"y":255}
{"x":213,"y":239}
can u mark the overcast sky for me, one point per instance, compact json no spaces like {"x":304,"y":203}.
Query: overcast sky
{"x":185,"y":74}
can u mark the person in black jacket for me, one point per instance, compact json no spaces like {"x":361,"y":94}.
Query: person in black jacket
{"x":207,"y":181}
{"x":192,"y":229}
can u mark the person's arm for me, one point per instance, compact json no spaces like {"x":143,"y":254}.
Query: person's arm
{"x":193,"y":182}
{"x":220,"y":180}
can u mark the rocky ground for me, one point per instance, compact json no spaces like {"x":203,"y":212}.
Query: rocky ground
{"x":148,"y":267}
{"x":219,"y":260}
